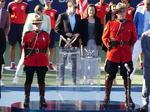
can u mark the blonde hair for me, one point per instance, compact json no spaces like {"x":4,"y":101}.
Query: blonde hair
{"x":39,"y":8}
{"x":71,"y":2}
{"x":90,"y":5}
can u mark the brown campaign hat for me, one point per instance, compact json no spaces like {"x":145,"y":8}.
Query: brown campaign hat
{"x":120,"y":6}
{"x":36,"y":18}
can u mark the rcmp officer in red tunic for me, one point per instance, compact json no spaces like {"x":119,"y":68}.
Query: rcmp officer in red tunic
{"x":119,"y":36}
{"x":35,"y":44}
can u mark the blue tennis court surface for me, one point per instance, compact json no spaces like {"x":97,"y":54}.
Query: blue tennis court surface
{"x":12,"y":94}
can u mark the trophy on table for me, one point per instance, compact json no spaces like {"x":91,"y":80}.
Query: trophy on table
{"x":89,"y":53}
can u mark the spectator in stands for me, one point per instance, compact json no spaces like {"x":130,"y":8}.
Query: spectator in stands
{"x":18,"y":12}
{"x":46,"y":26}
{"x":5,"y":24}
{"x":35,"y":44}
{"x":52,"y":13}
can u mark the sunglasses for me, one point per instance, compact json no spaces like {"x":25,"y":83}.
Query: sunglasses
{"x":2,"y":1}
{"x":76,"y":7}
{"x":49,"y":0}
{"x":36,"y":23}
{"x":120,"y":11}
{"x":148,"y":4}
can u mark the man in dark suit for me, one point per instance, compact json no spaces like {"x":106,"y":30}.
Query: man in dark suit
{"x":5,"y":24}
{"x":4,"y":19}
{"x":68,"y":26}
{"x":2,"y":49}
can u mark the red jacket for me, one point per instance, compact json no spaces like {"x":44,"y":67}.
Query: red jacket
{"x":122,"y":53}
{"x":42,"y":42}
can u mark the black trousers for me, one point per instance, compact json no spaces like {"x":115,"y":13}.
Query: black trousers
{"x":40,"y":71}
{"x":111,"y":69}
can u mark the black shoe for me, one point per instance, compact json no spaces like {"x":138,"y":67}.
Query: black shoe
{"x":106,"y":102}
{"x":27,"y":101}
{"x":43,"y":102}
{"x":144,"y":108}
{"x":131,"y":103}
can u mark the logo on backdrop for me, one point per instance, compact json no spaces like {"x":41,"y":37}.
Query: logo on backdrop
{"x":61,"y":1}
{"x":42,"y":1}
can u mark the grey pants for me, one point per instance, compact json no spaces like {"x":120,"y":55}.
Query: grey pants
{"x":89,"y":66}
{"x":63,"y":61}
{"x":146,"y":86}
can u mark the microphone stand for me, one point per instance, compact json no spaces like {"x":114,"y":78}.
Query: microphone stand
{"x":128,"y":91}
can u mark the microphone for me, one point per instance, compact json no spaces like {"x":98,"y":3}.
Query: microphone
{"x":127,"y":67}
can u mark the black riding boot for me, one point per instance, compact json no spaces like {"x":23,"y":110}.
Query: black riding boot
{"x":131,"y":103}
{"x":27,"y":94}
{"x":42,"y":93}
{"x":108,"y":86}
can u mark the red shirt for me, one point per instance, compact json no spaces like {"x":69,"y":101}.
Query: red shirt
{"x":53,"y":16}
{"x":42,"y":42}
{"x":18,"y":12}
{"x":130,"y":13}
{"x":128,"y":33}
{"x":102,"y":10}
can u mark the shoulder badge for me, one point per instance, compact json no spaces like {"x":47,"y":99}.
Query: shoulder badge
{"x":22,"y":43}
{"x":105,"y":28}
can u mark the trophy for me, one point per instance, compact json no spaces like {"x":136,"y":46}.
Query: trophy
{"x":89,"y":53}
{"x":69,"y":41}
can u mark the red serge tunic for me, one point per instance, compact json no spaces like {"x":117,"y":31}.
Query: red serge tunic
{"x":42,"y":42}
{"x":122,"y":53}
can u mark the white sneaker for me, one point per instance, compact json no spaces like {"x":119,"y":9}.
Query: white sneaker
{"x":1,"y":83}
{"x":91,"y":81}
{"x":15,"y":80}
{"x":85,"y":81}
{"x":69,"y":66}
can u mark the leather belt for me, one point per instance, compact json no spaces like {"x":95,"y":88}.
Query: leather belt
{"x":38,"y":50}
{"x":123,"y":43}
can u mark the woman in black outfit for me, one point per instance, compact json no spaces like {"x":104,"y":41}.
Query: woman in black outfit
{"x":91,"y":39}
